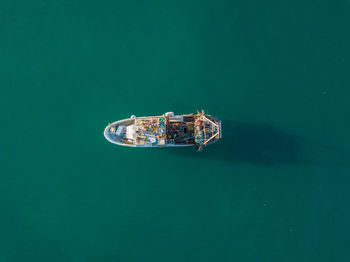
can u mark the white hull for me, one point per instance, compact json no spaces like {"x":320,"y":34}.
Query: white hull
{"x":168,"y":130}
{"x":111,"y":139}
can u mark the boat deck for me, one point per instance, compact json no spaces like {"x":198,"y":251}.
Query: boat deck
{"x":166,"y":130}
{"x":150,"y":130}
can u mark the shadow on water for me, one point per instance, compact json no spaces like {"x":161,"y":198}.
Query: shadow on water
{"x":262,"y":144}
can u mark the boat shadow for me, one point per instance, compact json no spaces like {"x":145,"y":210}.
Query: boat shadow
{"x":261,"y":144}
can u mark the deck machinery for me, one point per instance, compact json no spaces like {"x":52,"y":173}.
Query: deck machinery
{"x":168,"y":130}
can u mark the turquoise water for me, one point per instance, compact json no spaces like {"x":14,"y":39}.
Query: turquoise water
{"x":276,"y":188}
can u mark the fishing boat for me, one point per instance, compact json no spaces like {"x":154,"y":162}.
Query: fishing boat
{"x":167,"y":130}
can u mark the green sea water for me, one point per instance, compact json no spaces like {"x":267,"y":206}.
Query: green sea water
{"x":275,"y":188}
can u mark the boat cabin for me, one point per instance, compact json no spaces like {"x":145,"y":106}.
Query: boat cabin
{"x":167,"y":130}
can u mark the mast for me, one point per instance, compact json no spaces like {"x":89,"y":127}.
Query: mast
{"x":202,"y":134}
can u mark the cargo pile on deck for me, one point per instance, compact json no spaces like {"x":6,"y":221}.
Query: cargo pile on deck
{"x":165,"y":131}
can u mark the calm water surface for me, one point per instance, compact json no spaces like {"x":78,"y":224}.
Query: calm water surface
{"x":276,"y":188}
